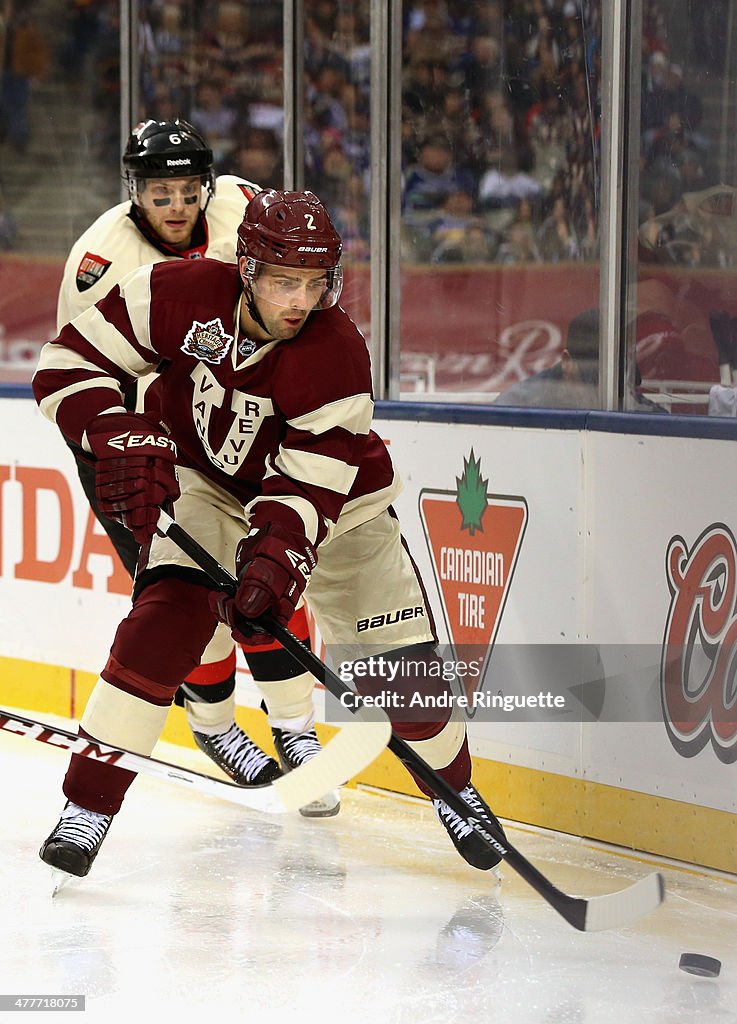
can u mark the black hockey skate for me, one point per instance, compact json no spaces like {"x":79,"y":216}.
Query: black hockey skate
{"x":293,"y":749}
{"x":475,"y":850}
{"x":239,"y":757}
{"x":75,"y":840}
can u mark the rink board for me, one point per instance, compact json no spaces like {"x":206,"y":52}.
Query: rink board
{"x":604,"y":514}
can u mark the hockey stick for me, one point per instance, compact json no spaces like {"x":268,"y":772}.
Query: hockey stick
{"x":613,"y":910}
{"x":348,"y":753}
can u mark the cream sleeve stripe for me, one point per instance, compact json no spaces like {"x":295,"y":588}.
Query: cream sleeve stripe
{"x":304,"y":509}
{"x":316,"y":470}
{"x":135,"y":289}
{"x":353,"y":413}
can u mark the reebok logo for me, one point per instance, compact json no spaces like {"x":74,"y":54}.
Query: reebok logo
{"x":128,"y":440}
{"x":180,"y":162}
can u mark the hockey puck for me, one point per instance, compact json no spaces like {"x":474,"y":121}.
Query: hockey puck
{"x":703,"y":966}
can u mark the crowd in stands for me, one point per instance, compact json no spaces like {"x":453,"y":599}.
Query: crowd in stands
{"x":686,"y":213}
{"x":501,"y":106}
{"x":501,"y":113}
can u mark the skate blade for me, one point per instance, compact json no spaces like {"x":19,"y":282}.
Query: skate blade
{"x":325,"y":807}
{"x":62,"y":880}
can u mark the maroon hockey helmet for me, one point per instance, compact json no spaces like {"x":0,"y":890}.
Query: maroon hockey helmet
{"x":291,"y":229}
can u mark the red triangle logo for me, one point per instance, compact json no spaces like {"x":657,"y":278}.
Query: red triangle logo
{"x":474,"y":539}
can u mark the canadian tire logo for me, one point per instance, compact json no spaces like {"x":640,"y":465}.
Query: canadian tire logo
{"x":698,"y":669}
{"x":474,"y":539}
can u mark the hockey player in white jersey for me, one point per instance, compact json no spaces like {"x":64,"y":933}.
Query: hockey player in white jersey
{"x":178,"y":210}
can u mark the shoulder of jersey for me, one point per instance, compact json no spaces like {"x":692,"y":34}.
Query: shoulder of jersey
{"x":199,"y":280}
{"x":111,"y":238}
{"x":225,"y":213}
{"x":106,"y":230}
{"x":333,"y":324}
{"x":229,"y":186}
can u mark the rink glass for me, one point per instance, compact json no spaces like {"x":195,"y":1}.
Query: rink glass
{"x":476,"y":226}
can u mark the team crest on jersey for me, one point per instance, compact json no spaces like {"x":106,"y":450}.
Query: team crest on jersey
{"x":207,"y":342}
{"x":91,"y":268}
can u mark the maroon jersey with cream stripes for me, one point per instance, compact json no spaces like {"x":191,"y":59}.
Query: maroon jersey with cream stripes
{"x":285,"y":426}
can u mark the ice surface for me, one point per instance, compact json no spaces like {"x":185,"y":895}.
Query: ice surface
{"x":196,"y":907}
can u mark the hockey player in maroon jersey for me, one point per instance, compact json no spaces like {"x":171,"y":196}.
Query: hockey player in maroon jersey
{"x":179,"y":211}
{"x":261,"y":440}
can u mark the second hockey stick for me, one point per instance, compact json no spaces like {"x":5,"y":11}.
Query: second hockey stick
{"x":613,"y":910}
{"x":351,"y":750}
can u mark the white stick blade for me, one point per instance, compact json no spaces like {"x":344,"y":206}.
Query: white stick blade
{"x":619,"y":909}
{"x":357,"y":744}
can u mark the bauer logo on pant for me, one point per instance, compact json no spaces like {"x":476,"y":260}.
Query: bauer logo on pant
{"x":474,"y":539}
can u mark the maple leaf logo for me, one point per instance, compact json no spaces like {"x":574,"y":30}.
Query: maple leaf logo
{"x":473,"y":568}
{"x":472,"y":495}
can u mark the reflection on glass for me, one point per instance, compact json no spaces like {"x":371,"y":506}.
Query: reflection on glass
{"x":684,"y":341}
{"x":572,"y":382}
{"x":500,"y":155}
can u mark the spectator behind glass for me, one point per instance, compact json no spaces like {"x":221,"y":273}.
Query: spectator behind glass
{"x":496,"y":127}
{"x":259,"y":158}
{"x":23,"y":56}
{"x":351,"y":217}
{"x":426,"y":84}
{"x":505,"y":184}
{"x":556,"y":238}
{"x":481,"y":67}
{"x":453,"y":218}
{"x":216,"y":121}
{"x":476,"y":244}
{"x":519,"y":242}
{"x":434,"y":177}
{"x":8,"y":225}
{"x":168,"y":35}
{"x":700,"y":230}
{"x":572,"y":382}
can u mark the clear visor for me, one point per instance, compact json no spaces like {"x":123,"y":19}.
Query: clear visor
{"x":299,"y":288}
{"x":153,"y":193}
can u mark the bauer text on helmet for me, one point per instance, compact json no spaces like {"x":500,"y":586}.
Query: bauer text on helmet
{"x":290,"y":230}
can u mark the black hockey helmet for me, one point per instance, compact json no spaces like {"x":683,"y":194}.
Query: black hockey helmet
{"x":167,"y":149}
